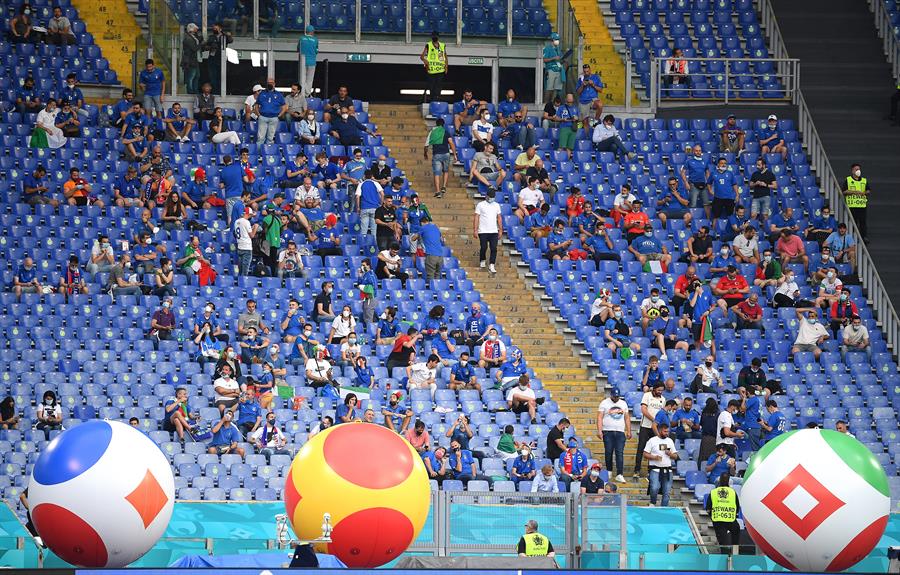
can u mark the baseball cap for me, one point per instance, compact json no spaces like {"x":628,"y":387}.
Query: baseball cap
{"x":310,"y":29}
{"x":772,"y":117}
{"x":615,"y":392}
{"x":554,"y":36}
{"x":730,"y":116}
{"x":257,"y":88}
{"x":595,"y":466}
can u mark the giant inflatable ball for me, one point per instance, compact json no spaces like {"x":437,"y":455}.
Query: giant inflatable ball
{"x":815,"y":500}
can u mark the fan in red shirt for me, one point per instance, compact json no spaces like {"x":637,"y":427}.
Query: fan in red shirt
{"x":635,"y":221}
{"x":683,"y":290}
{"x":574,"y":204}
{"x":749,"y":313}
{"x":842,"y":311}
{"x":731,"y":289}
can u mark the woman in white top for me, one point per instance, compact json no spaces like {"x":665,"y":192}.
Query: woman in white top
{"x":787,"y":292}
{"x":350,"y":350}
{"x":217,"y":132}
{"x":482,"y":131}
{"x":309,"y":129}
{"x":342,"y":326}
{"x":46,"y":120}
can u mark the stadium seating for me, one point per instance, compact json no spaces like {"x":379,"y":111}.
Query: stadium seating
{"x":480,"y":17}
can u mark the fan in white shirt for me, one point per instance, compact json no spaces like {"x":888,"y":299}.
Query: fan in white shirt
{"x":422,"y":375}
{"x":342,"y":326}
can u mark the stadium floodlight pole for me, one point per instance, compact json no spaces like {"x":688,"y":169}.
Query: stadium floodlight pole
{"x":255,"y":19}
{"x":495,"y":77}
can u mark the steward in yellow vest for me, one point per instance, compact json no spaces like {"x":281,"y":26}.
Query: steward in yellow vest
{"x":534,"y":544}
{"x":856,"y":194}
{"x":434,"y":57}
{"x":723,"y":507}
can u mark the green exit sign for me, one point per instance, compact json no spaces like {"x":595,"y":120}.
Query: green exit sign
{"x":359,"y":57}
{"x":476,"y":61}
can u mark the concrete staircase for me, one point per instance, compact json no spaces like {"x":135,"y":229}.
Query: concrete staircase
{"x":511,"y":296}
{"x":115,"y":31}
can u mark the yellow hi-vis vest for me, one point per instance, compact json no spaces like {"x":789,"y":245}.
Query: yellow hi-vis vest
{"x":536,"y":544}
{"x":859,"y":200}
{"x":435,"y":58}
{"x":724,"y":504}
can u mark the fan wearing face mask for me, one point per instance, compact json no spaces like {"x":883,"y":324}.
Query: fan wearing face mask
{"x":812,"y":334}
{"x":269,"y":439}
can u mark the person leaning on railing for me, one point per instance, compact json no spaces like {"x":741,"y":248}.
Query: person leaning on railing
{"x":676,"y":71}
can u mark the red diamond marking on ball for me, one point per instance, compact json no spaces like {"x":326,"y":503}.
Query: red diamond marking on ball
{"x":826,"y":502}
{"x":148,"y":498}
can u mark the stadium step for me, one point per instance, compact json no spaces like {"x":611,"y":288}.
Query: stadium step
{"x":115,"y":31}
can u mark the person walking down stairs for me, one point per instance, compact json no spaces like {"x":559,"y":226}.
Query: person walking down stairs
{"x":441,"y":147}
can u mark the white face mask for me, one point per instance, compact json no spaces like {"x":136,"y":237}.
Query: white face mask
{"x":492,"y":337}
{"x":307,"y":332}
{"x":231,"y":355}
{"x":345,"y":116}
{"x":310,"y":118}
{"x":208,"y":309}
{"x":722,"y":168}
{"x":595,"y":474}
{"x":772,"y":125}
{"x":724,"y":252}
{"x":556,"y":42}
{"x":346,"y":313}
{"x":856,"y":173}
{"x":830,"y":275}
{"x":487,"y":117}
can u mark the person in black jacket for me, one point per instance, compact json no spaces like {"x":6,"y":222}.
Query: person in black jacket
{"x":753,"y":374}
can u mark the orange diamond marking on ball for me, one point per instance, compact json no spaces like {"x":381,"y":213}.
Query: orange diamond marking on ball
{"x":148,"y":499}
{"x":826,"y":502}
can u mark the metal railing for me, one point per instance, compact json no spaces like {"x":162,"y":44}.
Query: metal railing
{"x":886,"y":33}
{"x":831,"y":189}
{"x":164,"y":31}
{"x":718,"y":74}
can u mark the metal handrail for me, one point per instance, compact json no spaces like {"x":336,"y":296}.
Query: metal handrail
{"x":831,"y":189}
{"x":886,"y":33}
{"x":787,"y":70}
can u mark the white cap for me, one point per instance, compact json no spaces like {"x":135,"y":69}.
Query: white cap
{"x":773,"y":117}
{"x":257,"y":88}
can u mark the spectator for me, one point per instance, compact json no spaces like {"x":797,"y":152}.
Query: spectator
{"x":671,"y":203}
{"x":791,"y":250}
{"x":511,"y":370}
{"x":127,"y":190}
{"x":250,"y":111}
{"x":521,"y":399}
{"x":771,"y":140}
{"x":695,"y":175}
{"x":555,"y":439}
{"x":467,"y":110}
{"x":508,"y":108}
{"x":572,"y":464}
{"x":588,"y":88}
{"x":387,"y":229}
{"x":664,"y":333}
{"x":493,"y":350}
{"x":35,"y":190}
{"x":290,"y":262}
{"x":606,"y":138}
{"x":820,"y":228}
{"x":28,"y":100}
{"x":824,"y":264}
{"x":699,"y":247}
{"x":664,"y":415}
{"x":205,"y":103}
{"x":9,"y":419}
{"x":318,"y":370}
{"x":614,"y":427}
{"x":545,"y":482}
{"x":423,"y":375}
{"x":660,"y":452}
{"x":749,"y":313}
{"x":768,"y":271}
{"x":842,"y":311}
{"x":829,"y":289}
{"x":724,"y":191}
{"x":117,"y":284}
{"x":686,"y":421}
{"x":730,"y":289}
{"x":350,"y":351}
{"x":178,"y":124}
{"x":296,"y":105}
{"x":191,"y":258}
{"x":269,"y":107}
{"x":526,"y":159}
{"x":381,"y":171}
{"x":519,"y":130}
{"x":248,"y":411}
{"x":243,"y":236}
{"x":635,"y":222}
{"x":346,"y":412}
{"x":348,"y":130}
{"x":726,"y":429}
{"x":651,"y":307}
{"x":762,"y":184}
{"x":67,"y":121}
{"x":225,"y":437}
{"x":652,"y":374}
{"x":856,"y":192}
{"x":322,"y":306}
{"x":369,"y":197}
{"x":731,"y":136}
{"x":617,"y":334}
{"x":162,"y":323}
{"x":488,"y":226}
{"x":598,"y":245}
{"x":253,"y":346}
{"x":411,"y":221}
{"x":388,"y":266}
{"x":482,"y":130}
{"x":856,"y":338}
{"x":26,"y":279}
{"x":396,"y":415}
{"x":462,"y":464}
{"x":553,"y":69}
{"x":746,"y":247}
{"x":326,"y":422}
{"x":174,"y":213}
{"x":709,"y":431}
{"x":523,"y":466}
{"x":486,"y":169}
{"x":49,"y":414}
{"x":419,"y":437}
{"x":736,"y":224}
{"x":775,"y":424}
{"x":719,"y":463}
{"x":71,"y":281}
{"x":71,"y":93}
{"x":227,"y":389}
{"x":557,"y":243}
{"x":217,"y":133}
{"x":707,"y":379}
{"x":677,"y":71}
{"x":152,"y":82}
{"x":648,"y":249}
{"x":46,"y":123}
{"x":842,"y":245}
{"x":567,"y":119}
{"x":591,"y":483}
{"x":338,"y":101}
{"x":788,"y":293}
{"x":477,"y":327}
{"x":268,"y":439}
{"x":191,"y":46}
{"x":436,"y":463}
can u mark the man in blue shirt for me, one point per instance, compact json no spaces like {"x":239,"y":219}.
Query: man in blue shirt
{"x":511,"y":369}
{"x":523,"y":467}
{"x":695,"y":176}
{"x":27,"y":98}
{"x":369,"y":197}
{"x":348,"y":130}
{"x":670,"y":203}
{"x":782,"y":221}
{"x":135,"y":118}
{"x":34,"y":188}
{"x":647,"y":248}
{"x":572,"y":463}
{"x":665,"y":415}
{"x":144,"y":255}
{"x":723,"y":260}
{"x":467,"y":110}
{"x":463,"y":466}
{"x":294,"y":173}
{"x":178,"y":124}
{"x":355,"y":169}
{"x":433,"y":244}
{"x":462,"y":375}
{"x":598,"y":245}
{"x":664,"y":333}
{"x":225,"y":437}
{"x":588,"y":88}
{"x":231,"y":180}
{"x":718,"y":463}
{"x":686,"y":420}
{"x":152,"y":82}
{"x":396,"y":415}
{"x":25,"y":279}
{"x":753,"y":402}
{"x":822,"y":226}
{"x":195,"y":193}
{"x":249,"y":411}
{"x":476,"y":327}
{"x":507,"y":109}
{"x":567,"y":118}
{"x":736,"y":223}
{"x":842,"y":245}
{"x":72,"y":94}
{"x":775,"y":423}
{"x":725,"y":190}
{"x":324,"y":173}
{"x":771,"y":140}
{"x":269,"y":106}
{"x":308,"y":47}
{"x":519,"y":131}
{"x":122,"y":108}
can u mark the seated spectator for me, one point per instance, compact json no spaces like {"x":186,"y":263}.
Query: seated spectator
{"x":606,"y":138}
{"x":822,"y":266}
{"x":290,"y":262}
{"x":444,"y":347}
{"x":617,"y":334}
{"x":599,"y":246}
{"x":519,"y":131}
{"x":493,"y":351}
{"x":523,"y":467}
{"x":318,"y":370}
{"x":574,"y":203}
{"x":418,"y":437}
{"x":28,"y":100}
{"x":210,"y":349}
{"x":820,"y":228}
{"x":771,"y":140}
{"x":268,"y":439}
{"x":545,"y":481}
{"x":749,"y":313}
{"x":719,"y":463}
{"x":423,"y":375}
{"x":437,"y":463}
{"x":670,"y":203}
{"x":253,"y":346}
{"x":396,"y":415}
{"x":652,"y":374}
{"x":746,"y":247}
{"x":249,"y":412}
{"x":591,"y":483}
{"x":829,"y":289}
{"x":572,"y":464}
{"x":227,"y":389}
{"x":71,"y":93}
{"x":784,"y":221}
{"x":731,"y":136}
{"x":708,"y":378}
{"x":482,"y":130}
{"x":342,"y":326}
{"x":325,"y":173}
{"x":35,"y":190}
{"x":467,"y":110}
{"x":511,"y":370}
{"x":191,"y":258}
{"x":791,"y":250}
{"x":157,"y":161}
{"x":127,"y":189}
{"x":77,"y":191}
{"x":381,"y":171}
{"x":26,"y":279}
{"x":326,"y":422}
{"x":354,"y":170}
{"x":663,"y":332}
{"x":856,"y":338}
{"x":699,"y":247}
{"x":388,"y":266}
{"x":217,"y":132}
{"x":530,"y":199}
{"x":485,"y":168}
{"x":162,"y":323}
{"x":67,"y":121}
{"x":651,"y":307}
{"x":346,"y":412}
{"x":145,"y":255}
{"x":49,"y":414}
{"x":71,"y":281}
{"x":296,"y":104}
{"x":521,"y":398}
{"x":9,"y":419}
{"x":736,"y":224}
{"x":731,"y":289}
{"x":842,"y":311}
{"x":635,"y":222}
{"x":762,"y":184}
{"x":348,"y":130}
{"x":647,"y":248}
{"x":545,"y":184}
{"x":686,"y":421}
{"x":350,"y":351}
{"x":768,"y":271}
{"x":178,"y":124}
{"x":842,"y":245}
{"x":225,"y":437}
{"x":45,"y":133}
{"x":462,"y":375}
{"x":787,"y":294}
{"x":524,"y":160}
{"x":463,"y":466}
{"x":811,"y":334}
{"x":622,"y":204}
{"x":753,"y":376}
{"x":557,"y":243}
{"x":294,"y":330}
{"x":135,"y":143}
{"x":117,"y":284}
{"x":337,"y":102}
{"x":309,"y":130}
